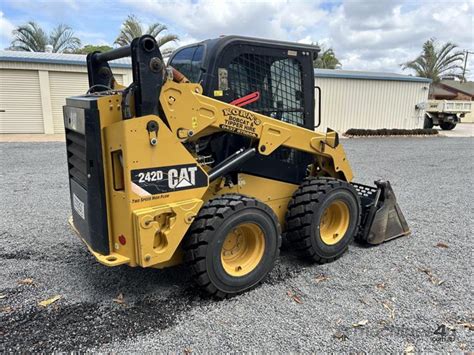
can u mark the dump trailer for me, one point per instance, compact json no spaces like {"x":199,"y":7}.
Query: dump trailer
{"x":447,"y":114}
{"x":211,"y":160}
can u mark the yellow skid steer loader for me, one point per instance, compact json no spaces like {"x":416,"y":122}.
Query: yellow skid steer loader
{"x":211,"y":160}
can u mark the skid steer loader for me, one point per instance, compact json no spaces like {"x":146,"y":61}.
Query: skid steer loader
{"x":211,"y":160}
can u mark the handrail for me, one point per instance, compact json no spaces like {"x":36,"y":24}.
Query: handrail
{"x":319,"y":106}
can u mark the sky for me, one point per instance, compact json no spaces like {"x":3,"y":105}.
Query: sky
{"x":375,"y":35}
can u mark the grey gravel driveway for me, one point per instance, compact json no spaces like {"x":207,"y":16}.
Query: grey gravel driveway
{"x":388,"y":298}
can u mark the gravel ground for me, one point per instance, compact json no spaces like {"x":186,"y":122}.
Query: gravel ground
{"x":399,"y":292}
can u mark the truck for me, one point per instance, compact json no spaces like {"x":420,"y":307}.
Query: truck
{"x":446,"y":114}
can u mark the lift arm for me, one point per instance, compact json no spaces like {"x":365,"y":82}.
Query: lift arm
{"x":192,"y":115}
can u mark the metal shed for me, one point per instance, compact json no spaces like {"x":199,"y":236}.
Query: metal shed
{"x":369,"y":100}
{"x":33,"y":88}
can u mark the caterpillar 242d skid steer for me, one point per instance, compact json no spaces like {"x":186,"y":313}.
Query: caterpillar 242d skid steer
{"x":211,"y":160}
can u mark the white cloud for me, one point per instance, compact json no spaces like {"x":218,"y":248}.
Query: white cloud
{"x":208,"y":19}
{"x":95,"y":38}
{"x":366,"y":35}
{"x":6,"y":28}
{"x":389,"y":35}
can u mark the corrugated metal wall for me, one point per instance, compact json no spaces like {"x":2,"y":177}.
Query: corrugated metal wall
{"x":63,"y":85}
{"x":32,"y":94}
{"x":346,"y":103}
{"x":370,"y":104}
{"x":20,"y":102}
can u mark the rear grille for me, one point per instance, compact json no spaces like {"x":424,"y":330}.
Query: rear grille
{"x":76,"y":156}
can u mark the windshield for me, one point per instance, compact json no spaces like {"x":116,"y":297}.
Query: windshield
{"x":188,"y":62}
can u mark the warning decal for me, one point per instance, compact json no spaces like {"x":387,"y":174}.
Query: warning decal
{"x":78,"y":206}
{"x":154,"y":181}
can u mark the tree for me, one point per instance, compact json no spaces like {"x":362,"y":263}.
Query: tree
{"x":326,"y":59}
{"x":436,"y":60}
{"x":32,"y":38}
{"x":132,"y":28}
{"x":89,"y":48}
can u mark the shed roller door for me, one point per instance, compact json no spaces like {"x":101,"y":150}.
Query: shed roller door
{"x":20,"y":102}
{"x":63,"y":85}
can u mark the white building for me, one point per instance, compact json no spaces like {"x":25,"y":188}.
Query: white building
{"x":353,"y":99}
{"x":34,"y":86}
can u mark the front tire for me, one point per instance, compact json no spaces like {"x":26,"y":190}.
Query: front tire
{"x":427,"y":123}
{"x":322,"y":219}
{"x":232,"y":244}
{"x":447,"y":126}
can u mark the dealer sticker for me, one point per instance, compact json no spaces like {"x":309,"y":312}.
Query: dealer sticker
{"x":241,"y":122}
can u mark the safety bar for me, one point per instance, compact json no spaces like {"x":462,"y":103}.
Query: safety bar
{"x":148,"y":71}
{"x":113,"y":54}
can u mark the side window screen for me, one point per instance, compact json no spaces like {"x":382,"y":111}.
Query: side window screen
{"x":188,"y":62}
{"x":287,"y":91}
{"x":279,"y":82}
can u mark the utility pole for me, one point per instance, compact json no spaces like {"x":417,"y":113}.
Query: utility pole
{"x":466,"y":54}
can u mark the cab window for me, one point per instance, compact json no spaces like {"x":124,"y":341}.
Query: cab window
{"x":278,"y":80}
{"x":188,"y":61}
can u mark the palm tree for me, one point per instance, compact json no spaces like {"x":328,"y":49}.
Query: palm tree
{"x":436,"y":60}
{"x":132,"y":28}
{"x":326,"y":59}
{"x":31,"y":37}
{"x":62,"y":39}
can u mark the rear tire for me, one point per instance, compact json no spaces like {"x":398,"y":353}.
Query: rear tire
{"x":322,"y":218}
{"x":447,"y":126}
{"x":232,"y":244}
{"x":427,"y":123}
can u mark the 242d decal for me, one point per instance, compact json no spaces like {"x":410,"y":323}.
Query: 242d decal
{"x":153,"y":181}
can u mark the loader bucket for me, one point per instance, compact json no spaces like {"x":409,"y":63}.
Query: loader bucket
{"x":382,"y":218}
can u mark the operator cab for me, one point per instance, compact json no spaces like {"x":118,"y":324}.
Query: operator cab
{"x":279,"y":73}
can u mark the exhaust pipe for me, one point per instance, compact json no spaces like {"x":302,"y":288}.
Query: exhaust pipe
{"x":382,"y":218}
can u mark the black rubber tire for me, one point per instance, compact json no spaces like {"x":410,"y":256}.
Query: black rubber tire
{"x":447,"y":126}
{"x":203,"y":243}
{"x":427,"y":123}
{"x":304,"y":215}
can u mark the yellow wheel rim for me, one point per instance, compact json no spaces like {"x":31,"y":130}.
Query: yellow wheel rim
{"x":243,"y":249}
{"x":334,"y":222}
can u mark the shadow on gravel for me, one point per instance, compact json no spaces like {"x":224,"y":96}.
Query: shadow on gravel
{"x":80,"y":326}
{"x":87,"y":325}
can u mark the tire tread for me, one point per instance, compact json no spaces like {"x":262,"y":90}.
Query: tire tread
{"x":305,"y":201}
{"x":210,"y":217}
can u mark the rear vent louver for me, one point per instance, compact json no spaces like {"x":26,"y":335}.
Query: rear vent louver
{"x":76,"y":151}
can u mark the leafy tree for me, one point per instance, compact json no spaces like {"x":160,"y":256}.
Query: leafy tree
{"x":436,"y":60}
{"x":326,"y":59}
{"x":32,"y":38}
{"x":89,"y":48}
{"x":132,"y":28}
